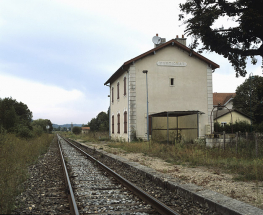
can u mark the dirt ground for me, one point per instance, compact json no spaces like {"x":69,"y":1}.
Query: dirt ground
{"x":212,"y":179}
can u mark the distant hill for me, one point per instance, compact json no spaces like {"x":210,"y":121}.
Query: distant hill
{"x":65,"y":125}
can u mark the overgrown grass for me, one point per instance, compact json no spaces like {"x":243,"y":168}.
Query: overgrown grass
{"x":15,"y":156}
{"x":244,"y":164}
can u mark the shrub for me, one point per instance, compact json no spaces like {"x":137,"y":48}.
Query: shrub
{"x":76,"y":130}
{"x":24,"y":132}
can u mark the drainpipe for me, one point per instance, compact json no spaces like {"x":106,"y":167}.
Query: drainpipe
{"x":109,"y":114}
{"x":128,"y":114}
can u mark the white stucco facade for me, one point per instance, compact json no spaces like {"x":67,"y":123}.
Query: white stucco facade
{"x":178,"y":80}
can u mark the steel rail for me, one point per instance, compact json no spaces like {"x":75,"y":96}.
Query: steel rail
{"x":159,"y":206}
{"x":72,"y":201}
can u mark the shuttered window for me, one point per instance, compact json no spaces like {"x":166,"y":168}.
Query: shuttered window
{"x":118,"y":90}
{"x":112,"y":93}
{"x":124,"y":83}
{"x":125,"y":122}
{"x":118,"y":123}
{"x":112,"y":124}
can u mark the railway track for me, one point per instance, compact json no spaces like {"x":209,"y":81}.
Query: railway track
{"x":93,"y":188}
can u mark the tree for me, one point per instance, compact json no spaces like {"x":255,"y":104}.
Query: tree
{"x":100,"y":123}
{"x":236,"y":43}
{"x":14,"y":114}
{"x":249,"y":98}
{"x":76,"y":130}
{"x":43,"y":123}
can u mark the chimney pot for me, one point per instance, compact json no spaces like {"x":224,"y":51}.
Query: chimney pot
{"x":157,"y":35}
{"x":182,"y":36}
{"x":176,"y":36}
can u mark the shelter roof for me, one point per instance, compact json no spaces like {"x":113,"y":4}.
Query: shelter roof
{"x":175,"y":113}
{"x":172,"y":42}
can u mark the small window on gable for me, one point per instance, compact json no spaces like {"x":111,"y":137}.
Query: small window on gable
{"x":171,"y":81}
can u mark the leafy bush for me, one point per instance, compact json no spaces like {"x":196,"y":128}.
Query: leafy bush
{"x":242,"y":126}
{"x":76,"y":130}
{"x":24,"y":132}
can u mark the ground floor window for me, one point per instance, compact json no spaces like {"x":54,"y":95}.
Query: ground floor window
{"x":125,"y":122}
{"x":112,"y":124}
{"x":118,"y":123}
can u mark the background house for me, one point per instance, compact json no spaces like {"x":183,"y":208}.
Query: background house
{"x":223,"y":99}
{"x":85,"y":130}
{"x":223,"y":115}
{"x":179,"y":83}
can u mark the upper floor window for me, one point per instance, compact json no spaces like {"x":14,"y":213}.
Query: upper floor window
{"x":112,"y":93}
{"x":124,"y":83}
{"x":118,"y":90}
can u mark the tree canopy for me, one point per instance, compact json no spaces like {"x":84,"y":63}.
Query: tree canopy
{"x":100,"y":123}
{"x":43,"y":123}
{"x":76,"y":130}
{"x":14,"y":114}
{"x":236,"y":43}
{"x":249,"y":98}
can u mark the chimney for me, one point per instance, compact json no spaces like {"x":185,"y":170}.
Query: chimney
{"x":181,"y":40}
{"x":162,"y":41}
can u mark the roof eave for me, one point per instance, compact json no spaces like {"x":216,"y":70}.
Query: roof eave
{"x":126,"y":64}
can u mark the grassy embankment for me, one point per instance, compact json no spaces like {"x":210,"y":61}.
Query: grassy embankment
{"x":15,"y":156}
{"x":244,"y":163}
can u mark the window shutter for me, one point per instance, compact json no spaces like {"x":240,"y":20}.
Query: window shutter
{"x":112,"y":93}
{"x":124,"y":85}
{"x":125,"y":122}
{"x":118,"y":116}
{"x":118,"y":90}
{"x":112,"y":125}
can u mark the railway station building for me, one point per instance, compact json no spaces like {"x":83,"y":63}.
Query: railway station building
{"x":178,"y":84}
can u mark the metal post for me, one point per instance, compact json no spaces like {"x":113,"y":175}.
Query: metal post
{"x":236,"y":141}
{"x":224,"y":136}
{"x":146,"y":71}
{"x":250,"y":77}
{"x":167,"y":127}
{"x":256,"y":140}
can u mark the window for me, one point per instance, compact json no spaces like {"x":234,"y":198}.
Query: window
{"x":118,"y":123}
{"x":118,"y":90}
{"x":124,"y":83}
{"x":125,"y":122}
{"x":223,"y":124}
{"x":171,"y":81}
{"x":112,"y":124}
{"x":112,"y":93}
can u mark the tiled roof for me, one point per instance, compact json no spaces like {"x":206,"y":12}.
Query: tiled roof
{"x":222,"y":98}
{"x":218,"y":113}
{"x":172,"y":42}
{"x":85,"y":128}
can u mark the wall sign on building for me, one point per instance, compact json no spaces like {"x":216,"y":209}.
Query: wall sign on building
{"x":171,"y":63}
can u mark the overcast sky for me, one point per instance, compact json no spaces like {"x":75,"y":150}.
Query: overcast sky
{"x":56,"y":54}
